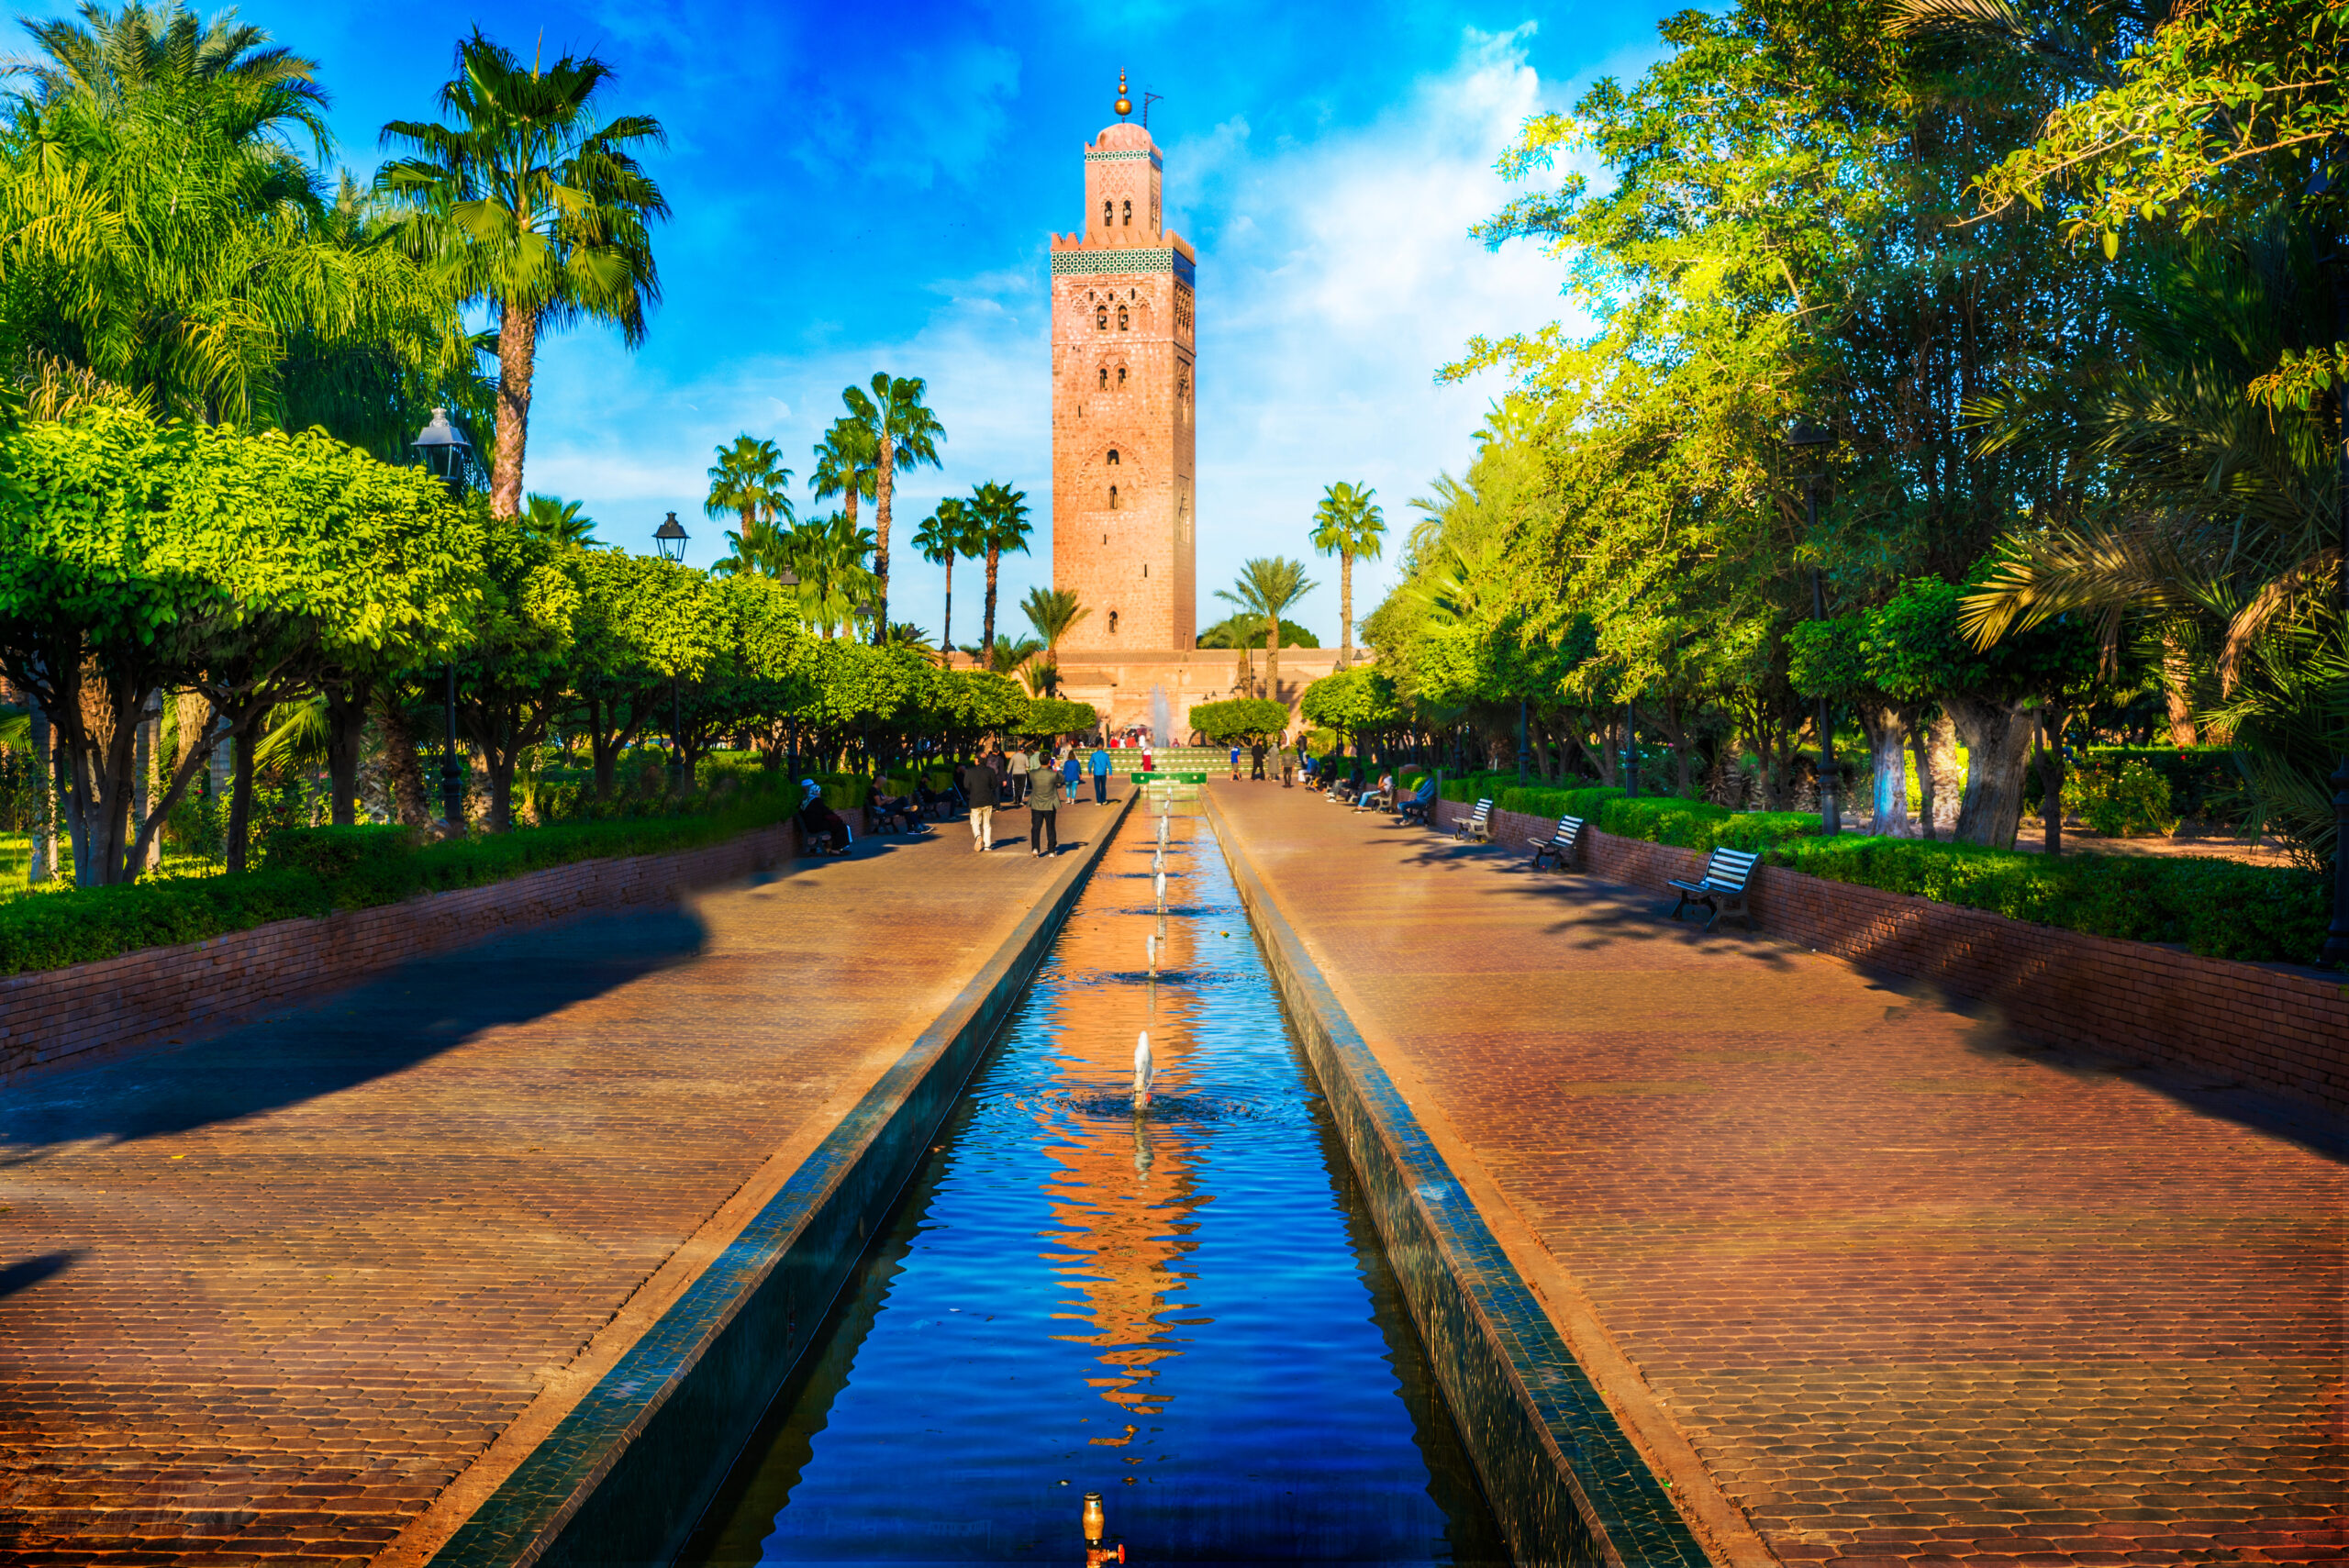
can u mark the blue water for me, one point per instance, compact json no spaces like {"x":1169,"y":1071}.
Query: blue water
{"x":1182,"y":1308}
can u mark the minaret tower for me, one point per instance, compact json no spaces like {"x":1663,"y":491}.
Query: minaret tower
{"x":1124,"y":391}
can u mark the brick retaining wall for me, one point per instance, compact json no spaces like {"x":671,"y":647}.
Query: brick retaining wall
{"x":2271,"y":1027}
{"x":172,"y":994}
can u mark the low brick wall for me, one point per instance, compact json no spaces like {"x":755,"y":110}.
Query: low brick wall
{"x":2276,"y":1028}
{"x":167,"y":994}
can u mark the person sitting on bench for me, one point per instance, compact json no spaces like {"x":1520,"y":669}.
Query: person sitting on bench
{"x":1419,"y":802}
{"x":819,"y":820}
{"x":895,"y":813}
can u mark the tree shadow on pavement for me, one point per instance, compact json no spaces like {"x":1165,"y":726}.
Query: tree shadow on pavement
{"x":344,"y":1037}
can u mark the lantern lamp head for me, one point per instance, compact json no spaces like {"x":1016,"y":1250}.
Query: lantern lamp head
{"x":442,"y":447}
{"x":1809,"y":436}
{"x":670,"y":538}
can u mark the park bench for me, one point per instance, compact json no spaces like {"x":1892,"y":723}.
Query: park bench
{"x":1418,"y":803}
{"x":1727,"y":873}
{"x":1478,"y":826}
{"x":1560,"y":845}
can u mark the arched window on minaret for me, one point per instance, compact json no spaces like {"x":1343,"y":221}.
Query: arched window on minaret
{"x":1113,"y":457}
{"x":1121,"y":318}
{"x":1107,"y":212}
{"x":1113,"y":497}
{"x":1130,"y":215}
{"x":1113,"y":622}
{"x":1101,"y":318}
{"x":1121,"y":375}
{"x":1104,"y":378}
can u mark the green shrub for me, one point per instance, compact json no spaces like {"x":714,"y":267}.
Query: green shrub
{"x":2119,"y":802}
{"x":2218,"y":908}
{"x":316,"y":870}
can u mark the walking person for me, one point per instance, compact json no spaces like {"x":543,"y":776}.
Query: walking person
{"x":1256,"y":762}
{"x":1072,"y":770}
{"x":1100,"y":765}
{"x":1288,"y":766}
{"x":979,"y":784}
{"x":1043,"y":807}
{"x":1018,"y":763}
{"x":1235,"y":761}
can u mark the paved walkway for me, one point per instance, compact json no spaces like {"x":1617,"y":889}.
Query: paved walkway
{"x":1870,"y":1280}
{"x":274,"y":1296}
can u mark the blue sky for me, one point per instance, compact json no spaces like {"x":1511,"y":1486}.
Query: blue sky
{"x":859,"y":188}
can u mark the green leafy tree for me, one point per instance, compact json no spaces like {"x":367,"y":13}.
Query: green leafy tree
{"x":1242,"y":720}
{"x":534,"y":205}
{"x":748,"y":483}
{"x":138,"y":558}
{"x":1000,"y":515}
{"x":829,"y":558}
{"x":1348,"y":525}
{"x":905,"y":434}
{"x":641,"y":628}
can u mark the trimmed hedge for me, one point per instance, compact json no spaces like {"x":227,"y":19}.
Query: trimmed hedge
{"x":311,"y":872}
{"x":2218,"y":908}
{"x":1659,"y":819}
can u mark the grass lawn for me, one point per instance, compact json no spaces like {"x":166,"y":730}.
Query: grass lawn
{"x":15,"y":860}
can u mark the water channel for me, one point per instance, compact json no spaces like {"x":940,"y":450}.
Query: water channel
{"x":1182,"y":1308}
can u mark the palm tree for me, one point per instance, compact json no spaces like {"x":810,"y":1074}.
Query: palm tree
{"x":828,"y":557}
{"x":531,"y":205}
{"x":1348,"y":525}
{"x":945,"y":536}
{"x":552,"y":517}
{"x":1003,"y":657}
{"x":905,"y":434}
{"x":1002,"y":513}
{"x":106,"y":58}
{"x":1053,"y":612}
{"x":750,"y":481}
{"x":1268,"y":586}
{"x":847,"y":460}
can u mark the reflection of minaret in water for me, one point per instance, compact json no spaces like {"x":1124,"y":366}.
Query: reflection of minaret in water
{"x":1124,"y":1194}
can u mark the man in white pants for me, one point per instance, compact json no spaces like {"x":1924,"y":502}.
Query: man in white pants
{"x":978,"y":782}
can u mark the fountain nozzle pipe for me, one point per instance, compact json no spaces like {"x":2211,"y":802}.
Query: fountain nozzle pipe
{"x":1145,"y":1071}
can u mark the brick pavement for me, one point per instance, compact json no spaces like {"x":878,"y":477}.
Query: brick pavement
{"x":1873,"y":1282}
{"x":265,"y":1297}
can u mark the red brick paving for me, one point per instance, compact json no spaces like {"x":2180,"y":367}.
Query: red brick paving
{"x":265,"y":1297}
{"x":1914,"y":1293}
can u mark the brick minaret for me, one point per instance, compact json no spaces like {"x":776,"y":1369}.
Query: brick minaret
{"x":1124,"y":390}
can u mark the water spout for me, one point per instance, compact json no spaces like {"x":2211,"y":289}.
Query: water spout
{"x":1161,"y":717}
{"x":1144,"y":1069}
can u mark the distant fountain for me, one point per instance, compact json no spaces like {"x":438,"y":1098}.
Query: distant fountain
{"x":1161,"y":717}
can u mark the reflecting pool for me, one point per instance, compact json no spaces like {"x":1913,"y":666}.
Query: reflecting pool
{"x":1182,"y":1307}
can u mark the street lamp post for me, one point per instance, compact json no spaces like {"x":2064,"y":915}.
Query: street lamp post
{"x":1630,"y":750}
{"x":1520,"y":743}
{"x":670,"y":539}
{"x":2336,"y":937}
{"x":444,"y":449}
{"x":1809,"y":439}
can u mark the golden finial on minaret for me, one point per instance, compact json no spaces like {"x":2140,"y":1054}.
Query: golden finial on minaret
{"x":1124,"y":105}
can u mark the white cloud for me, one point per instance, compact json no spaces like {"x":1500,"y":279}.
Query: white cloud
{"x":1335,"y":276}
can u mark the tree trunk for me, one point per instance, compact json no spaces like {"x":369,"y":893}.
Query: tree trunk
{"x":240,"y":797}
{"x":1921,"y":743}
{"x":1273,"y":658}
{"x":1887,"y":735}
{"x":500,"y":775}
{"x":404,"y":772}
{"x":884,"y":484}
{"x":1998,"y":739}
{"x":2050,"y":737}
{"x":1949,"y":774}
{"x":346,"y":733}
{"x":2177,"y":694}
{"x":1345,"y":609}
{"x":986,"y":634}
{"x":946,"y":621}
{"x":43,"y":779}
{"x":517,"y":348}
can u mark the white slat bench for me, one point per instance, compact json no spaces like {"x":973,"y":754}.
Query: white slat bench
{"x":1478,"y":825}
{"x":1722,"y":887}
{"x":1562,"y":845}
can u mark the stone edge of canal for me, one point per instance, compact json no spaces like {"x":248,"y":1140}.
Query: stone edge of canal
{"x":625,"y":1475}
{"x":1561,"y":1473}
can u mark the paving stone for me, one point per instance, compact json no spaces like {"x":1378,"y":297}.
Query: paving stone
{"x":263,"y":1297}
{"x":1916,"y":1292}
